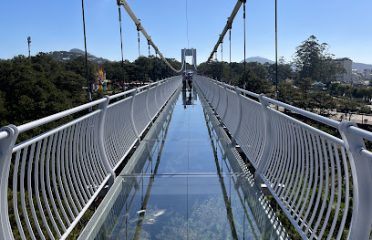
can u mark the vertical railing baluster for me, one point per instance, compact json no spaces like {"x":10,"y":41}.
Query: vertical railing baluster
{"x":132,"y":115}
{"x":6,"y":148}
{"x":101,"y":140}
{"x":147,"y":103}
{"x":235,"y":132}
{"x":261,"y":163}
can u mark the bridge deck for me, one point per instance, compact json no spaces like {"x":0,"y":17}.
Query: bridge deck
{"x":184,"y":185}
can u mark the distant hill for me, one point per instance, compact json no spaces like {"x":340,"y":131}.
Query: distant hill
{"x":258,"y":59}
{"x":361,"y":66}
{"x":75,"y":53}
{"x":262,"y":60}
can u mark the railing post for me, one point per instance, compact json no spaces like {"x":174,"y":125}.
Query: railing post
{"x":132,"y":116}
{"x":101,"y":140}
{"x":268,"y":135}
{"x":361,"y":168}
{"x":155,"y":95}
{"x":240,"y":115}
{"x":147,"y":103}
{"x":6,"y":148}
{"x":227,"y":102}
{"x":219,"y":97}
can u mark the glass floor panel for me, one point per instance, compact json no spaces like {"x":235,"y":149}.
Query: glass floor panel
{"x":183,"y":186}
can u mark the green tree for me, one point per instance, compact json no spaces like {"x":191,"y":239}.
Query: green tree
{"x":31,"y":89}
{"x":284,"y":71}
{"x":3,"y":110}
{"x":255,"y":79}
{"x":286,"y":92}
{"x":213,"y":70}
{"x":313,"y":61}
{"x":78,"y":66}
{"x":308,"y":58}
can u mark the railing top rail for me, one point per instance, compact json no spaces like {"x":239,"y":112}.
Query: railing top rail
{"x":3,"y":134}
{"x":27,"y":126}
{"x":147,"y":86}
{"x":53,"y":131}
{"x":318,"y":131}
{"x":241,"y":90}
{"x":37,"y":123}
{"x":122,"y":94}
{"x":249,"y":93}
{"x":313,"y":116}
{"x":361,"y":132}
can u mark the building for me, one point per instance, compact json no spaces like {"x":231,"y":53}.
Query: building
{"x":367,"y":73}
{"x":347,"y":75}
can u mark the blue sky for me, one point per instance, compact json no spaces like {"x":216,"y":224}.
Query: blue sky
{"x":57,"y":25}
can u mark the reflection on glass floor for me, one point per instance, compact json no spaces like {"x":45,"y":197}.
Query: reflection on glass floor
{"x":184,"y":185}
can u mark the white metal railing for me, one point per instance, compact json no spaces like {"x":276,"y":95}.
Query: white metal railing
{"x":320,"y":181}
{"x":48,"y":182}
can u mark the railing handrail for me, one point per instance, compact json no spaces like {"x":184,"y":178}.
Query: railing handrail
{"x":45,"y":120}
{"x":321,"y":119}
{"x":309,"y":172}
{"x":305,"y":113}
{"x":37,"y":123}
{"x":3,"y":135}
{"x":60,"y":172}
{"x":362,"y":133}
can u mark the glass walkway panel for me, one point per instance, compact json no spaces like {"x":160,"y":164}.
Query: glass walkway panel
{"x":183,"y":182}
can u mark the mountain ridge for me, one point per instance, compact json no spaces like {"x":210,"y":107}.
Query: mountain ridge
{"x":259,"y":59}
{"x":75,"y":53}
{"x":263,"y":60}
{"x":361,"y":66}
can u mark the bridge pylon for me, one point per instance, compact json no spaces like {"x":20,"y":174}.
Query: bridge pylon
{"x":189,"y":52}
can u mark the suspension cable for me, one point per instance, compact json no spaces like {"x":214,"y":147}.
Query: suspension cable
{"x":221,"y":51}
{"x":134,"y":18}
{"x":149,"y":48}
{"x":229,"y":23}
{"x":187,"y":25}
{"x":121,"y":48}
{"x":139,"y":37}
{"x":276,"y":51}
{"x":230,"y":55}
{"x":195,"y":67}
{"x":245,"y":37}
{"x":187,"y":32}
{"x":90,"y":90}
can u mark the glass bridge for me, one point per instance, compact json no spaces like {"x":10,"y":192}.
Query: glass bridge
{"x":184,"y":182}
{"x":214,"y":162}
